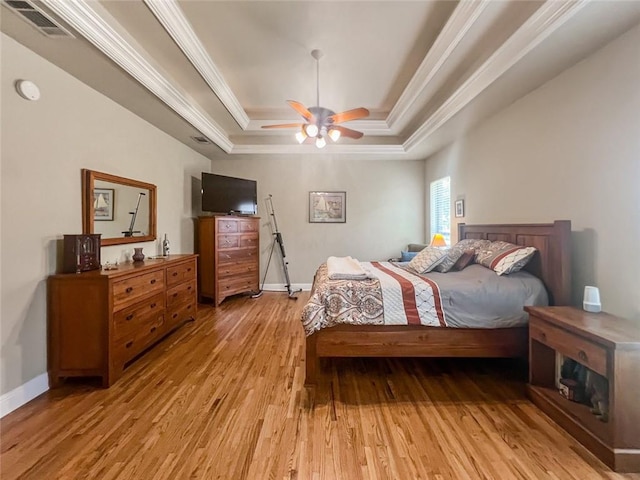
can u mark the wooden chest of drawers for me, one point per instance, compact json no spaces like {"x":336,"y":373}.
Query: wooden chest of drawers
{"x":100,"y":320}
{"x":229,"y":256}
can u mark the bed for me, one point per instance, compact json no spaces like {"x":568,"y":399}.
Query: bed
{"x":551,"y":264}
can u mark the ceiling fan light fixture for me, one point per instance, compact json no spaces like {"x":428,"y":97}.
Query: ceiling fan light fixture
{"x":301,"y":136}
{"x":311,"y":130}
{"x":320,"y":122}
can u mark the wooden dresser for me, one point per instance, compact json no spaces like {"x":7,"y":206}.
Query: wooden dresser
{"x":101,"y":320}
{"x":228,"y":248}
{"x":607,"y":345}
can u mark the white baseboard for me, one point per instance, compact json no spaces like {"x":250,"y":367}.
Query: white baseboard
{"x":279,"y":287}
{"x":23,"y":394}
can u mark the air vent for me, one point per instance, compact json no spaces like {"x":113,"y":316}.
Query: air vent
{"x":201,"y":140}
{"x":37,"y":18}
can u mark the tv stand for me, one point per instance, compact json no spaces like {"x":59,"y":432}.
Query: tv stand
{"x":229,"y":256}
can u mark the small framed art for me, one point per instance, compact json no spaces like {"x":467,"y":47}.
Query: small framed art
{"x":327,"y":207}
{"x":459,"y":208}
{"x":103,"y":204}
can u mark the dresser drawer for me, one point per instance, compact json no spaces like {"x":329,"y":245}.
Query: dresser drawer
{"x":185,"y":292}
{"x":181,"y":273}
{"x":239,"y":283}
{"x":248,"y":226}
{"x":240,"y":255}
{"x":238,"y":268}
{"x":131,"y":289}
{"x":581,"y":350}
{"x":249,"y":240}
{"x":135,"y":342}
{"x":228,"y":241}
{"x":130,"y":319}
{"x":225,"y":226}
{"x":178,"y":314}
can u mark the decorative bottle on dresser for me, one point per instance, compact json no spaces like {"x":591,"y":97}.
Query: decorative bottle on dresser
{"x":165,"y":246}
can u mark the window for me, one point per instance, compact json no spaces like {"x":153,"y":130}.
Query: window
{"x":440,"y":208}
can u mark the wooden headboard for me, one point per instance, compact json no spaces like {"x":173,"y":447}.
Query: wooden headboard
{"x":552,"y":263}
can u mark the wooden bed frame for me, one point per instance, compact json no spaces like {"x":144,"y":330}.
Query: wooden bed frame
{"x":552,"y":265}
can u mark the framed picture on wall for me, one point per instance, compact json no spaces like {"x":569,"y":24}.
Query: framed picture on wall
{"x":327,"y":207}
{"x":103,"y":204}
{"x":459,"y":208}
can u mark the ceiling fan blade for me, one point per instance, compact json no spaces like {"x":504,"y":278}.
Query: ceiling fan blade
{"x":284,"y":125}
{"x":349,"y":115}
{"x":347,"y":132}
{"x":301,"y":109}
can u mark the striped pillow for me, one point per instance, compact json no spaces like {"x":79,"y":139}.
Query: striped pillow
{"x":504,"y":257}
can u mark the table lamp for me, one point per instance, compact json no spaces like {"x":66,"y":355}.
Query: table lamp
{"x":438,"y":241}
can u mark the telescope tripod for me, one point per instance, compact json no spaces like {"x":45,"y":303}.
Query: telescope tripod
{"x":277,"y":239}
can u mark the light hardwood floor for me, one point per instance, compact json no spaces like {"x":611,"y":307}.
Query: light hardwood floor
{"x":222,"y":398}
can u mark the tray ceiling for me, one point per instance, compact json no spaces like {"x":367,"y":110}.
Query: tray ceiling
{"x":427,"y":70}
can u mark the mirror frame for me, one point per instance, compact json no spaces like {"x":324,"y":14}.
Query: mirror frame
{"x":88,"y":180}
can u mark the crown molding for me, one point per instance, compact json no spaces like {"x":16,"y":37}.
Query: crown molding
{"x":310,"y":149}
{"x":551,"y":15}
{"x":172,"y":18}
{"x":458,"y":25}
{"x":83,"y":18}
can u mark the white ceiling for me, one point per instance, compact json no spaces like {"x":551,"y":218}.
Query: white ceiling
{"x":427,"y":70}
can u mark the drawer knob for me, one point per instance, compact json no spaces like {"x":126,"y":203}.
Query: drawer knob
{"x":189,"y":269}
{"x":153,"y":329}
{"x":153,"y":305}
{"x":582,"y":355}
{"x":543,"y":336}
{"x":129,"y":289}
{"x":128,"y":344}
{"x":175,"y":274}
{"x":130,"y":316}
{"x":175,"y":295}
{"x":175,"y":315}
{"x":189,"y":287}
{"x":153,"y":281}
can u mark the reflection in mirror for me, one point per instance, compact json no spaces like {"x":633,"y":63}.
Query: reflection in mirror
{"x":120,"y":209}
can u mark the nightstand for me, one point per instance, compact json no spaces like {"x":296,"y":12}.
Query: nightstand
{"x":604,"y":344}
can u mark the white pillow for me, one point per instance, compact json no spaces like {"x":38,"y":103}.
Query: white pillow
{"x":427,"y":259}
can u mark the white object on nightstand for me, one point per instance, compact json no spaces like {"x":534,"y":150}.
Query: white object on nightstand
{"x":591,"y":302}
{"x":27,"y":89}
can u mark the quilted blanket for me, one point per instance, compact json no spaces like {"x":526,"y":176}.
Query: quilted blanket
{"x":392,"y":296}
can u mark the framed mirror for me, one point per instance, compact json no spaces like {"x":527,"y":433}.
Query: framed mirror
{"x":121,"y":209}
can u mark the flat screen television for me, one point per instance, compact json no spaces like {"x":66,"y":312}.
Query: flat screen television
{"x":221,"y":194}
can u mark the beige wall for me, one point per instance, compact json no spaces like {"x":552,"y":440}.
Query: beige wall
{"x":569,"y":150}
{"x":385,"y":208}
{"x":45,"y":144}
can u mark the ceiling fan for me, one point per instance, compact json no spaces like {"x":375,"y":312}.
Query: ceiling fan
{"x":321,"y":122}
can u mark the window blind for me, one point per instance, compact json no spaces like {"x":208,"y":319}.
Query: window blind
{"x":440,"y":208}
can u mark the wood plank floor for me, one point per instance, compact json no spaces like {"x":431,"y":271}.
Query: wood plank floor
{"x":222,"y":398}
